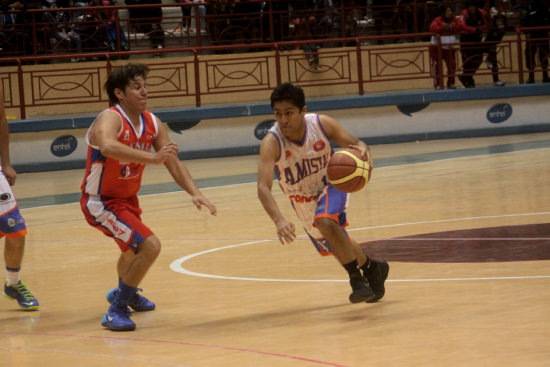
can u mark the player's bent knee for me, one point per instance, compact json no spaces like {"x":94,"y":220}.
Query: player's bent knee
{"x":151,"y":246}
{"x":326,"y":224}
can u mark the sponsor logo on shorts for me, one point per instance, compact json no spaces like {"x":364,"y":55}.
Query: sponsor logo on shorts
{"x":11,"y":222}
{"x":118,"y":231}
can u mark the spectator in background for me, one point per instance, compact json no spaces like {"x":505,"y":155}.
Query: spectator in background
{"x":201,"y":8}
{"x":17,"y":30}
{"x":63,"y":28}
{"x":536,"y":14}
{"x":148,"y":21}
{"x":474,"y":23}
{"x":497,"y":28}
{"x":385,"y":13}
{"x":446,"y":26}
{"x":110,"y":33}
{"x":306,"y":27}
{"x":185,"y":14}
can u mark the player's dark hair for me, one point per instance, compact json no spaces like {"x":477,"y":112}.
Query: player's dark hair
{"x":290,"y":93}
{"x":121,"y":77}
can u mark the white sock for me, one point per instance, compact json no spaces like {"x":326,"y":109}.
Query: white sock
{"x":13,"y":276}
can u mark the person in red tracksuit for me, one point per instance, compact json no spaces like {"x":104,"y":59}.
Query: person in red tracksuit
{"x":446,"y":26}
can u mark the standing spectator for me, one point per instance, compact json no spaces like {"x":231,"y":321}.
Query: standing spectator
{"x":446,"y":26}
{"x":201,"y":8}
{"x":185,"y":14}
{"x":474,"y":23}
{"x":536,"y":15}
{"x":148,"y":21}
{"x":498,"y":27}
{"x":12,"y":224}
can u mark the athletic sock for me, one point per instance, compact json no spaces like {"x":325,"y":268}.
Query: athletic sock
{"x":13,"y":275}
{"x":352,"y":268}
{"x":124,"y":293}
{"x":369,"y":266}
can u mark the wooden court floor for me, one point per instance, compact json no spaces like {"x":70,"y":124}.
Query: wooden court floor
{"x":463,"y":224}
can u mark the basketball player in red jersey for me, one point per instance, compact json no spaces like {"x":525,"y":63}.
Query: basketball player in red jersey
{"x":12,"y":224}
{"x":120,"y":142}
{"x":298,"y":147}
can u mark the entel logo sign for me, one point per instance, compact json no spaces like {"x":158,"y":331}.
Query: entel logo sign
{"x":499,"y":113}
{"x":63,"y":145}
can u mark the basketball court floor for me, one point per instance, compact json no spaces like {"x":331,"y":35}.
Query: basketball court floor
{"x":464,"y":225}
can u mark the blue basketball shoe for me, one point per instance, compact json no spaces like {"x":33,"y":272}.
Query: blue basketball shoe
{"x":117,"y":318}
{"x":20,"y":292}
{"x":137,"y":301}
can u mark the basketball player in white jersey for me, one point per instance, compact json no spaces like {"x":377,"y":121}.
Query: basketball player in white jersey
{"x":298,"y":148}
{"x":12,"y":224}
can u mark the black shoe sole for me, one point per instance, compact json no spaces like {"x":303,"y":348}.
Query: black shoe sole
{"x":362,"y":295}
{"x":384,"y":269}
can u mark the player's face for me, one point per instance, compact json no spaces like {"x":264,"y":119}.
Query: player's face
{"x":135,"y":94}
{"x":290,"y":119}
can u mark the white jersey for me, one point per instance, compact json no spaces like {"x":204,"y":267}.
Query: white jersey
{"x":302,"y":168}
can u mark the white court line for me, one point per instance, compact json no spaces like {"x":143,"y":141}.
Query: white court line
{"x":177,"y":264}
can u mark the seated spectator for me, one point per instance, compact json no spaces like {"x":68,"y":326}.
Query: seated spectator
{"x":148,"y":21}
{"x":306,"y":27}
{"x":446,"y":26}
{"x":16,"y":32}
{"x":63,"y":28}
{"x":111,"y":32}
{"x":474,"y":24}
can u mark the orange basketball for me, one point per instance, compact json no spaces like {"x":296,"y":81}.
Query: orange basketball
{"x":347,"y":171}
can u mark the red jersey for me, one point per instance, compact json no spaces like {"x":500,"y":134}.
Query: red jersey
{"x":109,"y":177}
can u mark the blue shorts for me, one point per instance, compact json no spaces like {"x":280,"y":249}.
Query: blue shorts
{"x":330,"y":204}
{"x":12,"y":223}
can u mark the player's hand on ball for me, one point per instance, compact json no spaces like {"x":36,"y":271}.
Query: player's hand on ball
{"x":286,"y":231}
{"x":200,"y":200}
{"x":365,"y":152}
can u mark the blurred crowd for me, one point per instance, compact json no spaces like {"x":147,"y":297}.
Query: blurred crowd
{"x":472,"y":28}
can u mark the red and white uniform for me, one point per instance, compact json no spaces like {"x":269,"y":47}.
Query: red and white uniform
{"x":109,"y":190}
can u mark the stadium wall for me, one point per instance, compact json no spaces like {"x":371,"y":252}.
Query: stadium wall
{"x":208,"y":132}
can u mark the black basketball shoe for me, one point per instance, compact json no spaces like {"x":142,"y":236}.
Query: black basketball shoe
{"x":361,"y":290}
{"x":376,"y":279}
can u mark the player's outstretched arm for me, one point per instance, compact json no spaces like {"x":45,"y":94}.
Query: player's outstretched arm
{"x":269,"y":151}
{"x":180,"y":173}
